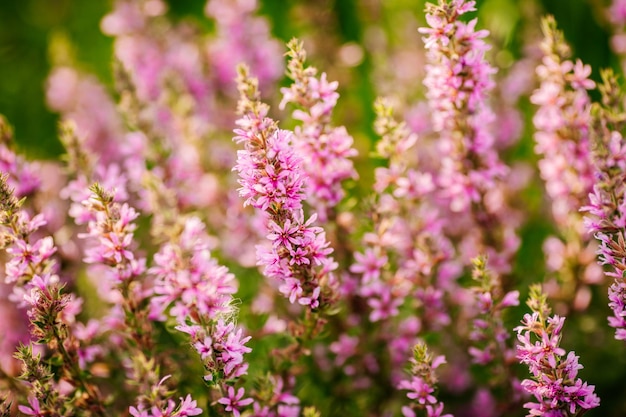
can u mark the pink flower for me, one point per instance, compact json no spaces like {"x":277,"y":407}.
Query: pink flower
{"x":272,"y":181}
{"x":188,"y":407}
{"x":419,"y":390}
{"x":554,"y":384}
{"x":234,"y":402}
{"x":369,"y":264}
{"x":436,"y":411}
{"x":139,"y":412}
{"x":34,"y":409}
{"x":325,"y":149}
{"x":285,"y":235}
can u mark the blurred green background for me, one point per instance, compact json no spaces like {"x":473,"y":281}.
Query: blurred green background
{"x":27,"y":26}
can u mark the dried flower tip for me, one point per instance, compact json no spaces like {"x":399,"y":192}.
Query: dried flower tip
{"x":538,"y":301}
{"x":9,"y":205}
{"x":77,"y":159}
{"x":554,"y":41}
{"x":102,"y":196}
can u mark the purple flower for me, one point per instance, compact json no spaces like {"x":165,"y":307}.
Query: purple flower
{"x":273,"y":181}
{"x":368,"y":264}
{"x":325,"y":149}
{"x":234,"y":402}
{"x":188,"y":407}
{"x":459,"y":82}
{"x":419,"y":390}
{"x":554,"y":384}
{"x":33,"y":409}
{"x":421,"y":386}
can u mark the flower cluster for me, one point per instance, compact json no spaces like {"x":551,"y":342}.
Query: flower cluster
{"x":470,"y":174}
{"x":189,"y":278}
{"x":33,"y":273}
{"x":606,"y":218}
{"x":325,"y":149}
{"x":187,"y":407}
{"x":111,"y":231}
{"x":199,"y":292}
{"x":555,"y":385}
{"x":563,"y":121}
{"x":488,"y":327}
{"x":166,"y":266}
{"x":422,"y":384}
{"x":416,"y":242}
{"x":272,"y":180}
{"x":490,"y":347}
{"x":458,"y":80}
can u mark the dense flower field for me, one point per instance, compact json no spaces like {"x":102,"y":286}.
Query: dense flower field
{"x":223,"y":236}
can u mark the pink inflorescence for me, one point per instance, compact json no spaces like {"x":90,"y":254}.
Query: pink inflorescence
{"x":33,"y":272}
{"x":199,"y":294}
{"x":563,"y":122}
{"x":325,"y":149}
{"x":272,"y":180}
{"x":111,"y":231}
{"x":555,"y":386}
{"x":423,"y":383}
{"x":470,"y":175}
{"x":187,"y":407}
{"x":401,"y":255}
{"x":489,"y":335}
{"x":188,"y":277}
{"x":606,"y":211}
{"x":458,"y":79}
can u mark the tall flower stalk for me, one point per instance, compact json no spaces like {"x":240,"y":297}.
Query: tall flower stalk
{"x":606,"y":217}
{"x":563,"y":122}
{"x":21,"y":177}
{"x":490,"y":347}
{"x":198,"y":292}
{"x":272,"y":181}
{"x":405,"y":229}
{"x":554,"y":384}
{"x":326,"y":150}
{"x":33,"y":272}
{"x":110,"y":231}
{"x":459,"y":82}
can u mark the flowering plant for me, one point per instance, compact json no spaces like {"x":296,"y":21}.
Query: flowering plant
{"x":217,"y":239}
